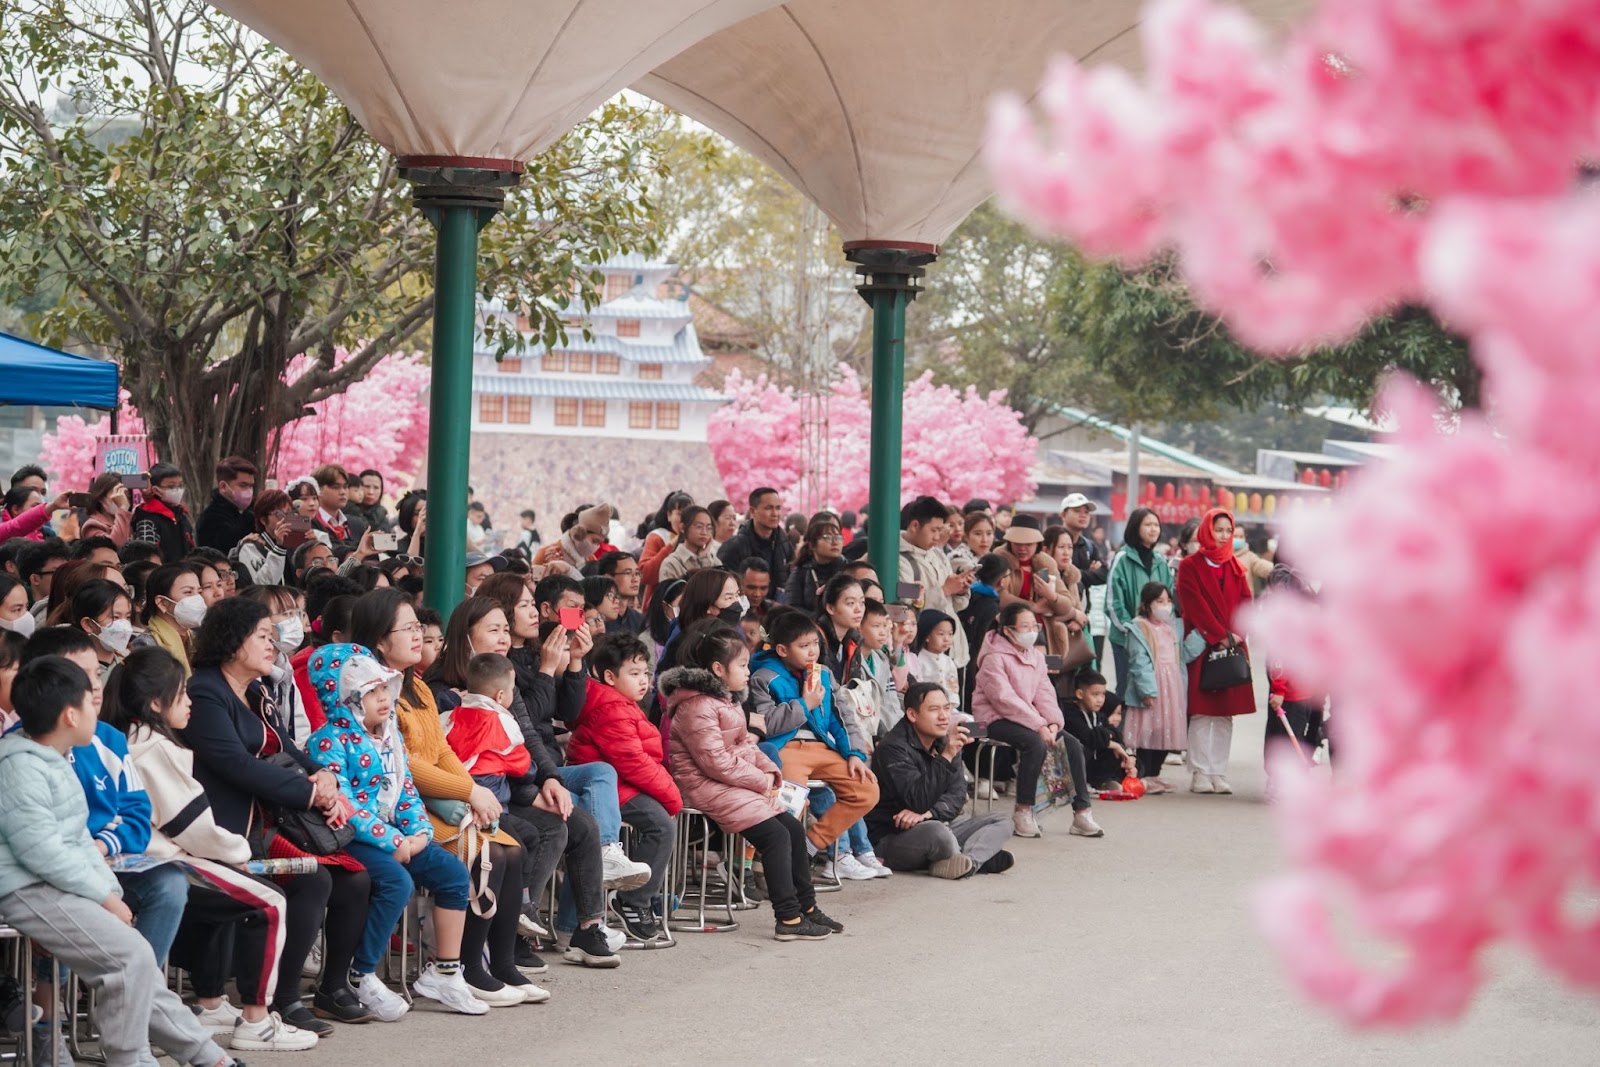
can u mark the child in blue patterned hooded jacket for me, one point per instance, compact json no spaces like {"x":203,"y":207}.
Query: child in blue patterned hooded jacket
{"x":394,"y":839}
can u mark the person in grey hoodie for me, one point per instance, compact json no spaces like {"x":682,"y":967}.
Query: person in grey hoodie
{"x":56,"y":888}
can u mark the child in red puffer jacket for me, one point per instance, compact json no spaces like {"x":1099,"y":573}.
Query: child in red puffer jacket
{"x":613,"y":729}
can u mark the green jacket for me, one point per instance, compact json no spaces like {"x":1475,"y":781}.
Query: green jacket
{"x":44,"y":824}
{"x":1127,"y":577}
{"x":1140,"y":685}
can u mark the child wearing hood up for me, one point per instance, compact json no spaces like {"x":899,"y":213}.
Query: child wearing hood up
{"x":361,"y":743}
{"x":936,"y":636}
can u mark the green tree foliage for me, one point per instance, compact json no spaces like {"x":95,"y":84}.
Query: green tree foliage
{"x":751,"y":243}
{"x":1005,"y":309}
{"x":204,"y":209}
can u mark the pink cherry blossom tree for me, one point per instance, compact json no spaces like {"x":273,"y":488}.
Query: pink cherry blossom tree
{"x":957,"y":444}
{"x":1387,"y":152}
{"x":381,"y":421}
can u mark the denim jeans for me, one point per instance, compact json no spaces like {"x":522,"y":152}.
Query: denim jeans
{"x":855,"y":840}
{"x":157,"y":898}
{"x":434,"y":868}
{"x":594,"y":789}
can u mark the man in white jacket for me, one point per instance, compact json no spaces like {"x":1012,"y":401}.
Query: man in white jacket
{"x":923,"y":531}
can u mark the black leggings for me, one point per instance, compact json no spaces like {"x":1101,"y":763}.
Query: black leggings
{"x":1150,"y":762}
{"x":346,"y":918}
{"x":1029,"y":757}
{"x":499,"y":932}
{"x":782,"y":844}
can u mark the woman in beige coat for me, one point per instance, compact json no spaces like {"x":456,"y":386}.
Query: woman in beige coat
{"x":1037,"y":579}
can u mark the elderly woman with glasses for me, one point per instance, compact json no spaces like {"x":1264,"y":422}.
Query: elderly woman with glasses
{"x":821,"y":558}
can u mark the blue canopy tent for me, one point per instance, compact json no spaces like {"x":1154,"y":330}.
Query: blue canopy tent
{"x":34,"y":374}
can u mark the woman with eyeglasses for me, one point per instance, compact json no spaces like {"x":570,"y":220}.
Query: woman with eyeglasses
{"x":821,"y":558}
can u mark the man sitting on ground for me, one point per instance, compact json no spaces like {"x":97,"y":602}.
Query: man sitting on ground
{"x":917,"y":824}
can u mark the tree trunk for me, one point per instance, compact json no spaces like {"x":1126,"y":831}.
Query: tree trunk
{"x":1469,"y":384}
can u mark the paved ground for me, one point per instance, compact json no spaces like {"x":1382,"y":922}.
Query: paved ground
{"x":1134,"y":949}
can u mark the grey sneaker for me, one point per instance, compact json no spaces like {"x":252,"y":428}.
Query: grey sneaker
{"x":804,"y":930}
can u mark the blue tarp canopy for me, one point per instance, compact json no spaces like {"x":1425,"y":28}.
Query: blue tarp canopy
{"x":34,"y":374}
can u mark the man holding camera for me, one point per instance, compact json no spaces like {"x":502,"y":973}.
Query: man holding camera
{"x":917,"y":824}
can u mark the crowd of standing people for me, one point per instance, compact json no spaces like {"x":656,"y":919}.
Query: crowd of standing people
{"x":240,"y":744}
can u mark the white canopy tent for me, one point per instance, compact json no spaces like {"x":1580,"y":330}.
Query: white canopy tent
{"x":463,"y":93}
{"x":876,"y":112}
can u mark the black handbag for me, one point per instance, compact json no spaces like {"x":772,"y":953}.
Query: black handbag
{"x":307,"y":831}
{"x":1224,"y":667}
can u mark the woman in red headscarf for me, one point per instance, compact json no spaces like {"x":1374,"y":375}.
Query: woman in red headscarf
{"x":1211,"y":587}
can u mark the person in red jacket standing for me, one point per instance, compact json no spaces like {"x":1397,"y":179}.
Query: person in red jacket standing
{"x":1212,"y":585}
{"x":613,"y":729}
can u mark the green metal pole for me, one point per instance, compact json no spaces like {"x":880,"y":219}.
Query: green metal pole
{"x":888,"y":395}
{"x":459,"y":197}
{"x":450,"y":407}
{"x":889,"y":282}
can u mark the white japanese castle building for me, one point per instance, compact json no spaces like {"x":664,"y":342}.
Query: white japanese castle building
{"x":616,"y":416}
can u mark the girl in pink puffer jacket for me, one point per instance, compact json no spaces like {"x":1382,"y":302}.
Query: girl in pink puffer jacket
{"x":721,"y":772}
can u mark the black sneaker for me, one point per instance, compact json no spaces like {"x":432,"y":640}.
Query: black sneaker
{"x":340,"y":1005}
{"x":807,"y":929}
{"x":752,"y":887}
{"x":589,"y":948}
{"x":528,"y":961}
{"x":638,"y":923}
{"x":299,"y":1016}
{"x":998,"y":863}
{"x":816,"y":915}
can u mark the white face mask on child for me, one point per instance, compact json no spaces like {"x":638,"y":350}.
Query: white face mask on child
{"x":1161,"y":612}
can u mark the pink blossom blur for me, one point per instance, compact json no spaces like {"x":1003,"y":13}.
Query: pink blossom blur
{"x":1393,"y":151}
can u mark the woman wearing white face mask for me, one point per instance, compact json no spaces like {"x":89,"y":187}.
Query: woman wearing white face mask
{"x":288,"y":635}
{"x":1013,"y":698}
{"x":174,"y":608}
{"x":14,"y":614}
{"x":103,"y":610}
{"x":1156,"y":692}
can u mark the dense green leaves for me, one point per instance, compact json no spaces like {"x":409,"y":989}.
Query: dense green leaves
{"x":184,"y":195}
{"x":1007,"y":310}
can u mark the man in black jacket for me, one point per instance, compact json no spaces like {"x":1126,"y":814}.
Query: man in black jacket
{"x":227,"y":520}
{"x":762,"y":538}
{"x":917,"y":824}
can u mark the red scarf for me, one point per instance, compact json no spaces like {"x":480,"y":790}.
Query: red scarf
{"x":1218,"y":552}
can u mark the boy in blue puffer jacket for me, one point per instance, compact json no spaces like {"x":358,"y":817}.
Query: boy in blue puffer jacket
{"x":361,"y":743}
{"x":55,"y":887}
{"x":793,"y":695}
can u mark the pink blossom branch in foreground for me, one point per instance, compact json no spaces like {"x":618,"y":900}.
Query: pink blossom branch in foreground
{"x":1385,"y":152}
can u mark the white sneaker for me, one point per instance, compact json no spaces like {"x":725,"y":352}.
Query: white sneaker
{"x":380,"y":1000}
{"x":221,"y":1019}
{"x":448,"y":989}
{"x":531,"y":928}
{"x":872,"y":863}
{"x":533,"y":994}
{"x":507,"y":996}
{"x":615,"y":938}
{"x":1219,"y":784}
{"x":1023,"y":824}
{"x":853,"y":869}
{"x":271,"y":1034}
{"x":984,"y":791}
{"x":1083,"y":825}
{"x":830,"y":871}
{"x":621,"y":872}
{"x":313,"y":964}
{"x":1200,"y":783}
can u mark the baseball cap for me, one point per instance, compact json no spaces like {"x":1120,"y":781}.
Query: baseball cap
{"x":478,"y":559}
{"x":1078,"y":500}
